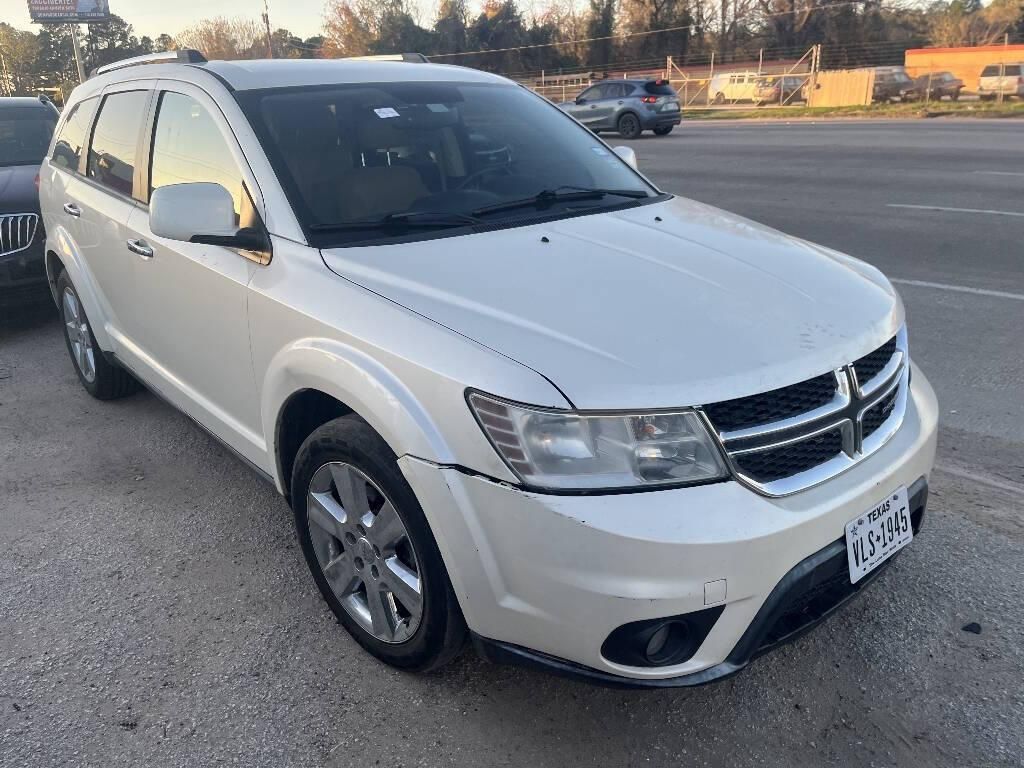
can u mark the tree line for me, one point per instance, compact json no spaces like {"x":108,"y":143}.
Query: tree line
{"x":560,"y":36}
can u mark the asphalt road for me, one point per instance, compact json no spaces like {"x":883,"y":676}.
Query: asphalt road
{"x":155,"y":610}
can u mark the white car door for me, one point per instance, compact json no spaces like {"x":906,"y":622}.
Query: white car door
{"x":97,"y":196}
{"x":191,"y":299}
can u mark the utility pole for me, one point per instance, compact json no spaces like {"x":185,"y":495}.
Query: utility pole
{"x":266,"y":23}
{"x":78,"y":53}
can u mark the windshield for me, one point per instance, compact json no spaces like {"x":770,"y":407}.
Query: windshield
{"x":25,"y":134}
{"x":355,"y":153}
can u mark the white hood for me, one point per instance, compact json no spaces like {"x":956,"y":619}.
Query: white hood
{"x":621,"y":310}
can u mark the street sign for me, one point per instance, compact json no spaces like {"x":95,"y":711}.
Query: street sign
{"x":69,"y":11}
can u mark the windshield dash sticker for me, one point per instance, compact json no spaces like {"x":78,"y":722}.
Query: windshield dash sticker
{"x":386,"y":112}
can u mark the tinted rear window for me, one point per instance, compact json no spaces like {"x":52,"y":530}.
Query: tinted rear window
{"x":1013,"y":69}
{"x":115,"y":140}
{"x":990,"y":71}
{"x":659,"y":88}
{"x":25,"y":134}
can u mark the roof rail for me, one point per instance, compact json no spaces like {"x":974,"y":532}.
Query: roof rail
{"x":416,"y":58}
{"x":181,"y":56}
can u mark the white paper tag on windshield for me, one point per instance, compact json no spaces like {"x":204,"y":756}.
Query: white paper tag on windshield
{"x":437,"y":107}
{"x":386,"y":112}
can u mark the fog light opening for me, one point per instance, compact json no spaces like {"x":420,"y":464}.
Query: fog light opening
{"x":667,"y":642}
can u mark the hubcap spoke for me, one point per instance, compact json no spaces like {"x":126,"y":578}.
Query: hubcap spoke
{"x":342,"y":575}
{"x":382,"y":614}
{"x":366,"y":556}
{"x":387,"y":529}
{"x":351,"y":490}
{"x":326,"y":513}
{"x":404,"y":584}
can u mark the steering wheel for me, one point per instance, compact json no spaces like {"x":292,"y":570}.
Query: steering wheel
{"x":483,"y":172}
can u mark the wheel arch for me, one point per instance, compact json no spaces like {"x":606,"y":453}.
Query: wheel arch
{"x":313,"y":381}
{"x":62,"y":253}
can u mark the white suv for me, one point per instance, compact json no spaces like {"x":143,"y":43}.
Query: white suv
{"x":511,"y":390}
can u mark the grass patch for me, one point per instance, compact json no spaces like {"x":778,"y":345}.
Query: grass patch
{"x":913,"y":110}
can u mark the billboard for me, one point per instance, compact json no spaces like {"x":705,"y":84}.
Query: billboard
{"x":69,"y":11}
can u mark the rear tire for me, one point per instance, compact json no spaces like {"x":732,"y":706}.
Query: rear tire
{"x":348,"y":478}
{"x":663,"y":130}
{"x":100,"y":377}
{"x":719,"y":98}
{"x":629,"y":126}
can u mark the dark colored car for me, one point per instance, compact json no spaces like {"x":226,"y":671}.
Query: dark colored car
{"x":26,"y":125}
{"x":629,"y":107}
{"x":938,"y":84}
{"x":894,"y":84}
{"x":784,"y":89}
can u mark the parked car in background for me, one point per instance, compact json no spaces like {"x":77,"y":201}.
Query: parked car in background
{"x":522,"y":399}
{"x":26,"y":127}
{"x":894,"y":84}
{"x":783,"y":89}
{"x":935,"y":85}
{"x":733,"y":86}
{"x":1005,"y":79}
{"x":628,"y":107}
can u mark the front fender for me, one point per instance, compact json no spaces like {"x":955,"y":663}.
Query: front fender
{"x":359,"y":381}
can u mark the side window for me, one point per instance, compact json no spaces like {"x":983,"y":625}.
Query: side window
{"x":67,"y":152}
{"x":115,"y":140}
{"x":593,"y":93}
{"x":188,"y":147}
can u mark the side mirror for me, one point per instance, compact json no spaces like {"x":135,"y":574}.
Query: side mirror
{"x":626,"y":154}
{"x":199,"y":212}
{"x":580,"y":100}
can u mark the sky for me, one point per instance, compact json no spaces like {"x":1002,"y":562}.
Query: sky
{"x":151,"y":17}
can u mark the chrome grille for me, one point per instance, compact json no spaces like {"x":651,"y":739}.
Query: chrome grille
{"x":16,"y":231}
{"x":789,"y":439}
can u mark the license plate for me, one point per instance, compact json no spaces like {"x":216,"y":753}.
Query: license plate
{"x":879,"y":533}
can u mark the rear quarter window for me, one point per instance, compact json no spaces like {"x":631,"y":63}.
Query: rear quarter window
{"x":67,"y":151}
{"x":1013,"y":70}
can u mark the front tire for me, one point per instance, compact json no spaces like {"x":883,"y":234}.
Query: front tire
{"x":370,"y":549}
{"x":629,"y":126}
{"x":101,"y":378}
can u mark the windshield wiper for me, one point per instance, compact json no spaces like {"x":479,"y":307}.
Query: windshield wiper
{"x":425,"y":219}
{"x":560,"y":194}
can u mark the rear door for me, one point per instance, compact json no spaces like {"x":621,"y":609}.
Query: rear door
{"x":98,"y":201}
{"x":191,"y":303}
{"x":617,"y":101}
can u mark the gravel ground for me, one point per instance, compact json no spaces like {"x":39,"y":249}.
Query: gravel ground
{"x":155,"y":610}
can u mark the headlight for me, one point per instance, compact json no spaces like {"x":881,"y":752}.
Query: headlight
{"x":564,"y":450}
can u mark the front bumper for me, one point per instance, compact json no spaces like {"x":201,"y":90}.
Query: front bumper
{"x":546,"y":578}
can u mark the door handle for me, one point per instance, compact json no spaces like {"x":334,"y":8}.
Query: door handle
{"x":72,"y":210}
{"x":140,"y":247}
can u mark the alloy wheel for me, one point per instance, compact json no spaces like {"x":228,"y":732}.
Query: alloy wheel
{"x":79,"y":335}
{"x":364,"y":552}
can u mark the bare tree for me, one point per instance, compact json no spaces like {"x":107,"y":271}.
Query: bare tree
{"x":223,"y":38}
